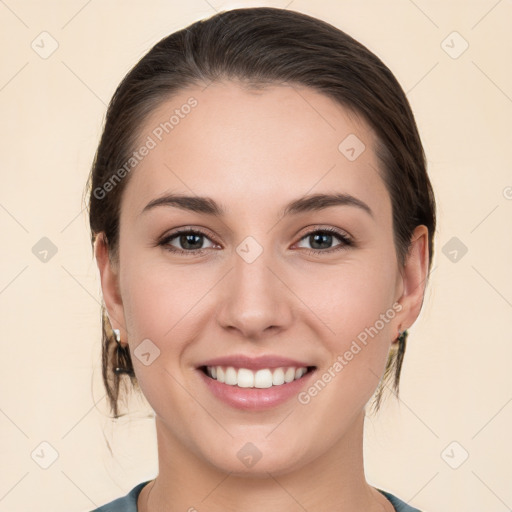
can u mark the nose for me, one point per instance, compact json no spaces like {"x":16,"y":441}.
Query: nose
{"x":256,"y":300}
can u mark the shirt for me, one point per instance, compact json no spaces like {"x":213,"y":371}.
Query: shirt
{"x":128,"y":503}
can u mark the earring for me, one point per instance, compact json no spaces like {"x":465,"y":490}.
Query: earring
{"x":402,"y":336}
{"x":399,"y":341}
{"x":123,"y":362}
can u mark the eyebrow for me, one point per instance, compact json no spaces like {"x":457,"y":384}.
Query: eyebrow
{"x":208,"y":206}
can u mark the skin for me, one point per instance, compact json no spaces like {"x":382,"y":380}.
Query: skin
{"x":253,"y":151}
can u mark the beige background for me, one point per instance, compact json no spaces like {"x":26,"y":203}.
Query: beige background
{"x":456,"y":383}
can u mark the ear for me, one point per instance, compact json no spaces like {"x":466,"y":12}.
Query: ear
{"x":110,"y":286}
{"x":413,"y":277}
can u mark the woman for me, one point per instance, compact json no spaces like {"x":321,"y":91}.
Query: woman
{"x":263,"y":224}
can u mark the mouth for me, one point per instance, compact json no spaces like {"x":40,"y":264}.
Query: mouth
{"x":255,"y":382}
{"x":261,"y":378}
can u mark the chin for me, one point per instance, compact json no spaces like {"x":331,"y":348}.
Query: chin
{"x":250,"y":462}
{"x":255,"y":454}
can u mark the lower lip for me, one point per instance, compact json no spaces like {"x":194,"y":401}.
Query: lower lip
{"x":255,"y":398}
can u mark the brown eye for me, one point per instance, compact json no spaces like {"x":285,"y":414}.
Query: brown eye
{"x":187,"y":241}
{"x":322,"y":240}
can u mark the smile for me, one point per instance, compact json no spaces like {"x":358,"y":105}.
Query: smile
{"x":255,"y":382}
{"x":262,"y":378}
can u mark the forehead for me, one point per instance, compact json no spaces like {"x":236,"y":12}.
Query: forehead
{"x":269,"y":144}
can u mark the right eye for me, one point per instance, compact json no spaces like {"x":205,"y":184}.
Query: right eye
{"x":190,"y":240}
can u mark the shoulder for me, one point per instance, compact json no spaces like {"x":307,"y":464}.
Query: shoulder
{"x":127,"y":503}
{"x":400,"y":506}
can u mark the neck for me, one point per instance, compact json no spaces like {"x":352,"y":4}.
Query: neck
{"x":333,"y":481}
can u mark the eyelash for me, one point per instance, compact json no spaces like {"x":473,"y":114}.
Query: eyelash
{"x":344,"y":239}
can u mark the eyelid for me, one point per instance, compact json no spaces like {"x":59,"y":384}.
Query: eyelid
{"x":326,"y":229}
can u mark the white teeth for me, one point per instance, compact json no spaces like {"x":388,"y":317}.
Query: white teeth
{"x":278,"y":377}
{"x":289,"y":375}
{"x":299,"y":372}
{"x":230,"y":376}
{"x":264,"y":378}
{"x":245,"y":378}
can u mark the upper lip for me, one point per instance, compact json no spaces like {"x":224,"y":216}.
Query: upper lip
{"x":255,"y":363}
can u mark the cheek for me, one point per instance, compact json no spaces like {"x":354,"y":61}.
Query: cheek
{"x":159,"y":304}
{"x":350,"y":297}
{"x":158,"y":298}
{"x":168,"y":305}
{"x":357,"y":304}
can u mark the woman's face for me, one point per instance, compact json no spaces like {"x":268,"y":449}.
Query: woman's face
{"x":277,"y":275}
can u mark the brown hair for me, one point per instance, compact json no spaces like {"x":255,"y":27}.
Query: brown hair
{"x":261,"y":46}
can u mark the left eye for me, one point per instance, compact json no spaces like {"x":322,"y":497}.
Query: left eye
{"x":321,"y":240}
